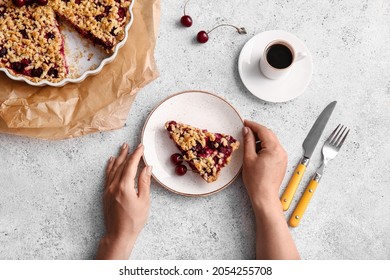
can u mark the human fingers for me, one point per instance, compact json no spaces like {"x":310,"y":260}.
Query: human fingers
{"x":118,"y":161}
{"x":249,"y":142}
{"x":131,"y":166}
{"x":110,"y":164}
{"x":115,"y":179}
{"x":266,"y":136}
{"x":144,"y":182}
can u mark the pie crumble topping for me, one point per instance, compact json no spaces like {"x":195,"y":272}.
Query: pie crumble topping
{"x":205,"y":152}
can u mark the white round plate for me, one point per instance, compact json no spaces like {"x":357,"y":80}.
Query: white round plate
{"x":200,"y":109}
{"x":84,"y":59}
{"x":274,"y":90}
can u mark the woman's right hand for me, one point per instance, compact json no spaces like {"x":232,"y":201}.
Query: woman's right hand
{"x":263,"y":171}
{"x":263,"y":174}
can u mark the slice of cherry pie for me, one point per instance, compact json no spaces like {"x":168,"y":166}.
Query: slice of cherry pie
{"x":31,"y":43}
{"x":206,"y":153}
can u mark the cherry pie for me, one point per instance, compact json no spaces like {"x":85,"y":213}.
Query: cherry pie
{"x":206,"y":153}
{"x":30,"y":40}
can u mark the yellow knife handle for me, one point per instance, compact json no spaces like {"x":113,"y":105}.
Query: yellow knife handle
{"x":296,"y":216}
{"x":292,"y":186}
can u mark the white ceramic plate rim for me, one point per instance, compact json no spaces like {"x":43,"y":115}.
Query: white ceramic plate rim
{"x":86,"y":73}
{"x":266,"y":97}
{"x":146,"y":163}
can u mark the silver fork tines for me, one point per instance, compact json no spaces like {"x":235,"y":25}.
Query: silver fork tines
{"x":331,"y":147}
{"x":338,"y":136}
{"x":330,"y":138}
{"x":342,"y":140}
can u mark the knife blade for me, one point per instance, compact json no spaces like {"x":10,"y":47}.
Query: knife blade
{"x":309,"y":144}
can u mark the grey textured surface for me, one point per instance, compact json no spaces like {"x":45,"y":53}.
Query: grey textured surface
{"x":50,"y":202}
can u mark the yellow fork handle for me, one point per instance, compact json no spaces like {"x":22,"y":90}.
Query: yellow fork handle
{"x":296,"y":216}
{"x":292,"y":186}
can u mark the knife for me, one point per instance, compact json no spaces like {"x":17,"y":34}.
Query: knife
{"x":308,"y":145}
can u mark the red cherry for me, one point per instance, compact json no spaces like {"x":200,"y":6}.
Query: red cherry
{"x":181,"y":170}
{"x":186,"y":21}
{"x":122,"y":13}
{"x":36,"y":72}
{"x":176,"y":159}
{"x":19,"y":3}
{"x":202,"y":37}
{"x":25,"y":62}
{"x":17,"y":66}
{"x":3,"y":52}
{"x":42,"y":2}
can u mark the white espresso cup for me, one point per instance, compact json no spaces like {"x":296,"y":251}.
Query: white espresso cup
{"x":278,"y":58}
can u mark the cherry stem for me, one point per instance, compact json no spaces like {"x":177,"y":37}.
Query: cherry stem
{"x":224,"y":24}
{"x":185,"y":5}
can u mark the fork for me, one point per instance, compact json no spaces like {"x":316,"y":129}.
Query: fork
{"x":330,"y":149}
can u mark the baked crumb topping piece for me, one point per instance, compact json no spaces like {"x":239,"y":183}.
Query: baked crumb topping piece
{"x":102,"y":21}
{"x":206,"y":152}
{"x":31,"y":43}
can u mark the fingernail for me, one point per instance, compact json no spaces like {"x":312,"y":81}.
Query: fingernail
{"x":149,"y":170}
{"x":124,"y":146}
{"x":111,"y":159}
{"x":244,"y":130}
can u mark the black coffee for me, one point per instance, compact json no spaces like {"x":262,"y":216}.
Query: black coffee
{"x":279,"y":56}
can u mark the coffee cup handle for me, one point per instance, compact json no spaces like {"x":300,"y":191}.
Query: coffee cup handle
{"x":300,"y":56}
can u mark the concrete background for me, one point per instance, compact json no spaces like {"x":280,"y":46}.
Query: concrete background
{"x":50,"y":202}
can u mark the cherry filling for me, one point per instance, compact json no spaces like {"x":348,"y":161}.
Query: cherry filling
{"x":3,"y":9}
{"x":19,"y":3}
{"x":112,"y":32}
{"x":25,"y":62}
{"x":37,"y":72}
{"x":98,"y":41}
{"x":208,"y":150}
{"x":99,"y":17}
{"x":42,"y":2}
{"x":95,"y":40}
{"x":169,"y":128}
{"x":24,"y":33}
{"x":52,"y":72}
{"x":50,"y":35}
{"x":3,"y":52}
{"x":17,"y":67}
{"x":121,"y":13}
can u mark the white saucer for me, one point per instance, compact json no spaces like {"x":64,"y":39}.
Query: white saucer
{"x":274,"y":90}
